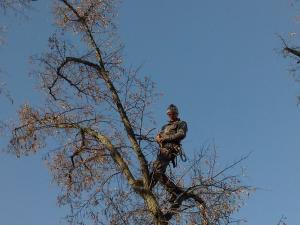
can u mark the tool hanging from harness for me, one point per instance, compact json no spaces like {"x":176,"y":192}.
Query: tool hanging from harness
{"x":181,"y":153}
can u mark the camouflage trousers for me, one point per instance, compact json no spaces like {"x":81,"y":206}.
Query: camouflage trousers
{"x":164,"y":157}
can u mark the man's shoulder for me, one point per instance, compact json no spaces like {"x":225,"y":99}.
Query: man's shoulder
{"x":182,"y":123}
{"x":164,"y":126}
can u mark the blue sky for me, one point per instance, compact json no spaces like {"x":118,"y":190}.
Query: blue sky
{"x":217,"y":60}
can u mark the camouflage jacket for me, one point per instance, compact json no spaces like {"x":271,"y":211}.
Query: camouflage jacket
{"x":173,"y":132}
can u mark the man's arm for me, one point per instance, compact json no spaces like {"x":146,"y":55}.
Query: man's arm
{"x":158,"y":137}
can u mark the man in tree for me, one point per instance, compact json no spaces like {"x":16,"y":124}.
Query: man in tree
{"x":169,"y":139}
{"x":94,"y":111}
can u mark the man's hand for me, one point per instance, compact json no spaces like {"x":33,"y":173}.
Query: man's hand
{"x":158,"y":138}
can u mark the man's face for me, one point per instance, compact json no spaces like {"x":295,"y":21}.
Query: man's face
{"x":172,"y":116}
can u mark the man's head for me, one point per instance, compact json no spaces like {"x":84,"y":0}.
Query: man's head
{"x":172,"y":112}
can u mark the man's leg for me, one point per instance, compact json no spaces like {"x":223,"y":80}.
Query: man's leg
{"x":170,"y":186}
{"x":160,"y":165}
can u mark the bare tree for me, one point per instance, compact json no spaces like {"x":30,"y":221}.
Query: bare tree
{"x":282,"y":221}
{"x":96,"y":129}
{"x":292,"y":51}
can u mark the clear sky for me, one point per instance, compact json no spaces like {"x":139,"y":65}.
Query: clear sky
{"x":217,"y":60}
